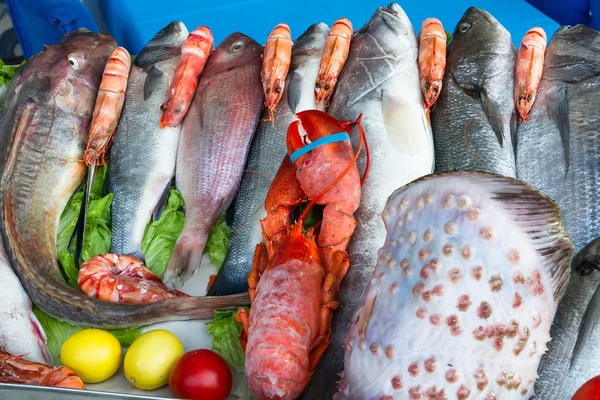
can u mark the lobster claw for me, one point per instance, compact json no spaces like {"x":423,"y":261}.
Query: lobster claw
{"x":312,"y":125}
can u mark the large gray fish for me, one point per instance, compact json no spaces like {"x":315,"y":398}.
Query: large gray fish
{"x":47,"y":116}
{"x":462,"y":299}
{"x":381,"y":80}
{"x":142,"y":157}
{"x":267,"y":150}
{"x":558,"y":152}
{"x":473,"y":119}
{"x":215,"y":141}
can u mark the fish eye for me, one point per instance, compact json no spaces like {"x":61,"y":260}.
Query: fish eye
{"x":465,"y":26}
{"x":236,"y":46}
{"x":73,"y":62}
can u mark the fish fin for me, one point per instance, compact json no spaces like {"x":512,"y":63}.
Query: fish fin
{"x":513,"y":130}
{"x":186,"y":258}
{"x":162,"y":203}
{"x":586,"y":261}
{"x":294,"y":90}
{"x":558,"y":111}
{"x":27,"y":113}
{"x":106,"y":187}
{"x":405,"y":124}
{"x":491,"y":110}
{"x":154,"y":81}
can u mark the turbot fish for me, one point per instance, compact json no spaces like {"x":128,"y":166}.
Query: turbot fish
{"x":380,"y":80}
{"x":142,"y":157}
{"x":474,"y":119}
{"x":558,"y":152}
{"x":462,"y":299}
{"x":46,"y":119}
{"x":20,"y":330}
{"x":267,"y":150}
{"x":214,"y":144}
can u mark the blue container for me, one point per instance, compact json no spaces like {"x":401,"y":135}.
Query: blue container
{"x":44,"y":22}
{"x":134,"y":22}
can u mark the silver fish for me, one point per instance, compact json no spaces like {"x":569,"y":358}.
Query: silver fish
{"x":142,"y":157}
{"x":474,"y":118}
{"x":215,"y":141}
{"x":558,"y":152}
{"x":462,"y":299}
{"x":42,"y":171}
{"x":266,"y":152}
{"x":381,"y":80}
{"x":20,"y":330}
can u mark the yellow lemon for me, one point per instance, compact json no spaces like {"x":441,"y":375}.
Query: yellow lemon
{"x":94,"y":355}
{"x":150,"y":359}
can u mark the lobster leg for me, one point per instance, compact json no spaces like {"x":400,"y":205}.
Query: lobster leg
{"x":284,"y":194}
{"x":243,"y":318}
{"x":336,"y":230}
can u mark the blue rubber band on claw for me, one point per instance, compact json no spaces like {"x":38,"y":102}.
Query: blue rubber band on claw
{"x":336,"y":137}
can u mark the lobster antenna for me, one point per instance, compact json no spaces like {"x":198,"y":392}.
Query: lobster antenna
{"x":336,"y":180}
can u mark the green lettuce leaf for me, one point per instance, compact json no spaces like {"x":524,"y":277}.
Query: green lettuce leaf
{"x":58,"y":332}
{"x":225,"y":331}
{"x":160,"y":236}
{"x":448,"y":36}
{"x":218,"y":242}
{"x":7,"y":72}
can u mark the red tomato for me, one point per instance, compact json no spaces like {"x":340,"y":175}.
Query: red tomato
{"x":201,"y":374}
{"x":589,"y":391}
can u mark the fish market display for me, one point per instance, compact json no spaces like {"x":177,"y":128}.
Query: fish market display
{"x":295,"y":278}
{"x":214,"y":144}
{"x":474,"y":118}
{"x":334,"y":57}
{"x":380,"y":80}
{"x":558,"y":152}
{"x":142,"y":157}
{"x":266,"y":152}
{"x":473,"y":266}
{"x":20,"y":330}
{"x":16,"y":369}
{"x":46,"y":118}
{"x":194,"y":52}
{"x":275,"y":65}
{"x":528,"y":72}
{"x":432,"y":59}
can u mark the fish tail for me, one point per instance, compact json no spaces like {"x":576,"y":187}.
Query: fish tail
{"x":586,"y":261}
{"x":186,"y":258}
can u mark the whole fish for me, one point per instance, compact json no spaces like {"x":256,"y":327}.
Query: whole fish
{"x":47,"y":127}
{"x":20,"y":330}
{"x":558,"y":152}
{"x":266,"y":152}
{"x":142,"y":157}
{"x":472,"y":270}
{"x":214,"y":144}
{"x":381,"y":80}
{"x":474,"y":118}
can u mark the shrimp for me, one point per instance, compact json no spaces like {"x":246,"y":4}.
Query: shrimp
{"x":194,"y":53}
{"x":334,"y":57}
{"x":15,"y":369}
{"x":275,"y":66}
{"x":432,"y":59}
{"x":528,"y":73}
{"x":109,"y":103}
{"x":122,"y":279}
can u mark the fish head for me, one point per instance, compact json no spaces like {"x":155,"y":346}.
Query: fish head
{"x":165,"y":45}
{"x":579,"y":48}
{"x":311,"y":41}
{"x":311,"y":125}
{"x":77,"y":63}
{"x":237,"y":50}
{"x":475,"y":47}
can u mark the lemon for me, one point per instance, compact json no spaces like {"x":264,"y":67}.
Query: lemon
{"x":150,"y":359}
{"x":94,"y":355}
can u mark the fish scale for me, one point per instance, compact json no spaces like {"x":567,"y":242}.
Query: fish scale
{"x":463,"y":267}
{"x":266,"y":152}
